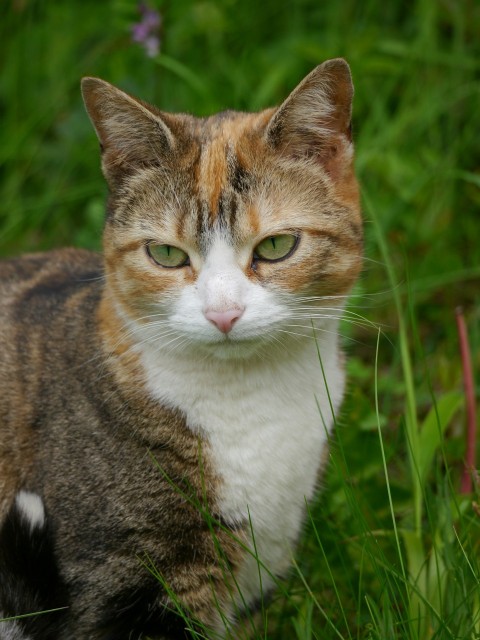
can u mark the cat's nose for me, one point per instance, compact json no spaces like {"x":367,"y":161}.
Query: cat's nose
{"x":224,"y":320}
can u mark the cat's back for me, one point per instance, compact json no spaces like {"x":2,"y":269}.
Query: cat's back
{"x":43,"y":298}
{"x":46,"y":275}
{"x":47,"y":301}
{"x":37,"y":288}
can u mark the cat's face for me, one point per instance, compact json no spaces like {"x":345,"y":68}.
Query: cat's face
{"x":235,"y":231}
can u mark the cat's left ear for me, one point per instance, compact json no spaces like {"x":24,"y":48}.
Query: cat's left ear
{"x":131,"y":132}
{"x":315,"y":119}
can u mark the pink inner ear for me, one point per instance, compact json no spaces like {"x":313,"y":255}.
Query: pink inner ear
{"x":335,"y":158}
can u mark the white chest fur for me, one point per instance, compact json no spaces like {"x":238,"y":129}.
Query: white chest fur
{"x":266,"y":423}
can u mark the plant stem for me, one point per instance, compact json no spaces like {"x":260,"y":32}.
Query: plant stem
{"x":411,"y":422}
{"x":466,"y":486}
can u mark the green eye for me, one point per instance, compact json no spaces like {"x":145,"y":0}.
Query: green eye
{"x":167,"y":255}
{"x":276,"y":247}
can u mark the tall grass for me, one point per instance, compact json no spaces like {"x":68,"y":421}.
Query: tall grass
{"x":391,"y":548}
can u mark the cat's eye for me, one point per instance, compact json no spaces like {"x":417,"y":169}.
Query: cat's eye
{"x":276,"y":248}
{"x":166,"y":255}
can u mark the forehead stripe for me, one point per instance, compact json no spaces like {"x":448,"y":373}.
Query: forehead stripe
{"x":227,"y":209}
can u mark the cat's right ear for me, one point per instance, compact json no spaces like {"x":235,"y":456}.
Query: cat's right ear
{"x":131,"y":132}
{"x":314,"y":122}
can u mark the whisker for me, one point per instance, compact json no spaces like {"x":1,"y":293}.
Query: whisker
{"x":355,"y":320}
{"x":312,"y":336}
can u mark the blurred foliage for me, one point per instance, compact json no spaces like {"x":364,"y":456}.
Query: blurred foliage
{"x":416,"y":68}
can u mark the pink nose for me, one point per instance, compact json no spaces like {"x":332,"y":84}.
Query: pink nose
{"x":224,"y":320}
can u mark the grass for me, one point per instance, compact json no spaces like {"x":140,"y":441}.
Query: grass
{"x":391,"y":547}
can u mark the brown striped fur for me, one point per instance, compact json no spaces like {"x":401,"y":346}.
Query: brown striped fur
{"x":123,"y":478}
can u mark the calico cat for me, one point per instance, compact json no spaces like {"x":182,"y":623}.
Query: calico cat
{"x":165,"y":403}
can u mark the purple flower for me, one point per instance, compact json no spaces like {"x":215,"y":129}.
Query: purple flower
{"x":147,"y":31}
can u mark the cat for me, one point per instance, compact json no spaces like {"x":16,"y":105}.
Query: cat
{"x":165,"y":406}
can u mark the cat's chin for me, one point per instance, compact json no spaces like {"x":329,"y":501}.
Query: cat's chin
{"x":231,"y":349}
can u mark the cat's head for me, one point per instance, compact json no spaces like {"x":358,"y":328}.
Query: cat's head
{"x":231,"y":231}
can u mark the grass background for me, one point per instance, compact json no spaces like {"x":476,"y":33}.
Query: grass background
{"x":391,"y":548}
